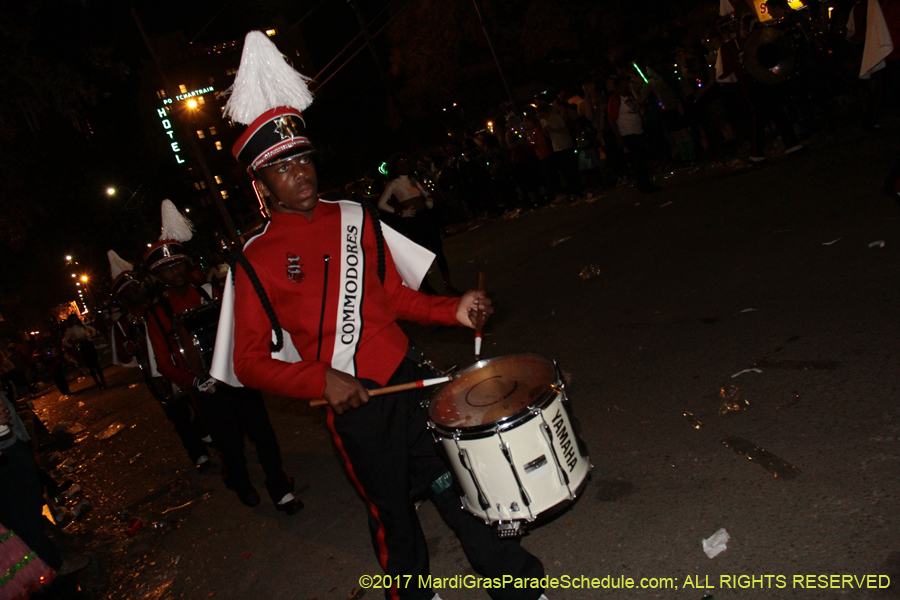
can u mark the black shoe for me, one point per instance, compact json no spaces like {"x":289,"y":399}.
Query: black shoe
{"x":249,"y":497}
{"x":207,"y":466}
{"x":290,"y":508}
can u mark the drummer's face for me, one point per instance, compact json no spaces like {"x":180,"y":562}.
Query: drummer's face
{"x":291,"y":185}
{"x":173,"y":275}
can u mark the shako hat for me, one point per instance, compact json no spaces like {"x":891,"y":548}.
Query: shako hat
{"x":268,"y":96}
{"x":176,"y":229}
{"x":122,"y":273}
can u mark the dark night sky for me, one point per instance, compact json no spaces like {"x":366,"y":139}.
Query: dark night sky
{"x":91,"y":50}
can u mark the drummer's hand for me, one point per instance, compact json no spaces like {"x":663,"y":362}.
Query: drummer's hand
{"x":469,"y":305}
{"x":344,"y":391}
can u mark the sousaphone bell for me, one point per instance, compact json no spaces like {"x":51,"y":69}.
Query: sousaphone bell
{"x":775,"y":50}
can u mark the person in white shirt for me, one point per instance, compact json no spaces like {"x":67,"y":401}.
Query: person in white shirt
{"x":79,"y":335}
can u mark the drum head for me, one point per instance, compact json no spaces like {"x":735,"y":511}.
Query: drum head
{"x":492,"y":390}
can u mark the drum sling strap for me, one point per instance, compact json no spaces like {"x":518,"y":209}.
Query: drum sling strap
{"x":237,"y":258}
{"x":167,"y":308}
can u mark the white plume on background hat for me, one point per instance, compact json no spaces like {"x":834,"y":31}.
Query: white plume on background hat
{"x":175,"y":226}
{"x":117,"y":264}
{"x":264,"y":81}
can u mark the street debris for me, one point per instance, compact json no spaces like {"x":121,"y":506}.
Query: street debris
{"x":879,"y":243}
{"x":716,"y":543}
{"x":669,"y":203}
{"x":559,"y":241}
{"x":694,"y":421}
{"x":832,"y":242}
{"x":731,"y":400}
{"x":753,"y":370}
{"x":134,"y":525}
{"x":778,"y":467}
{"x":749,"y":310}
{"x":110,"y":431}
{"x":589,"y":272}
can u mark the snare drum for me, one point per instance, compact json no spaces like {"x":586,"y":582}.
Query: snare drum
{"x":507,"y":430}
{"x":195,"y":332}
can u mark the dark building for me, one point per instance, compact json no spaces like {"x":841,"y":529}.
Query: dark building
{"x":201,"y":76}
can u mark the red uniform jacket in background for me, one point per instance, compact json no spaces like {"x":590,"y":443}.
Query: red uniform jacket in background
{"x":164,"y":344}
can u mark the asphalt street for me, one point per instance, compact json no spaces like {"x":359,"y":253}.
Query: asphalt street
{"x":724,"y":271}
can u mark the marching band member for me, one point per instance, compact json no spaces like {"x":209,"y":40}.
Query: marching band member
{"x":229,"y":413}
{"x":129,"y":349}
{"x":321,"y":282}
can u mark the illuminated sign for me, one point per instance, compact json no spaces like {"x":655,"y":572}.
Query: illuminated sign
{"x":163,"y":114}
{"x":199,"y":92}
{"x":762,"y":11}
{"x":167,"y":126}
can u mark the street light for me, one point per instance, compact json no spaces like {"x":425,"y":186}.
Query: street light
{"x":192,"y":103}
{"x":68,"y":257}
{"x":112,"y":191}
{"x":84,"y":278}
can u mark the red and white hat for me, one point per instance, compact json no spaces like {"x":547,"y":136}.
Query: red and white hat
{"x":122,"y":273}
{"x":176,"y":229}
{"x":268,"y":96}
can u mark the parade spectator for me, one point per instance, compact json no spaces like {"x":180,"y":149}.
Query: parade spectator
{"x":418,"y":219}
{"x":78,"y":335}
{"x":625,"y":119}
{"x":564,"y":158}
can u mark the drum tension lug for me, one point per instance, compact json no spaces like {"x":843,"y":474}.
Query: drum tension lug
{"x":509,"y":529}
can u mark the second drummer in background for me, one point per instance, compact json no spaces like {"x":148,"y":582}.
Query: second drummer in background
{"x":228,"y":413}
{"x":325,"y":278}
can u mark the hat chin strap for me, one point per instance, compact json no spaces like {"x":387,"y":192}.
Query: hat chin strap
{"x":262,"y":199}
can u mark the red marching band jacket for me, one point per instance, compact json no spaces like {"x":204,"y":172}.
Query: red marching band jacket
{"x":321,"y":278}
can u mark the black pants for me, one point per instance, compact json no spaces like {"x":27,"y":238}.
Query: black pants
{"x":390,"y":457}
{"x":425,"y":230}
{"x":567,"y":164}
{"x":231,"y":413}
{"x":770,"y":103}
{"x":21,"y":502}
{"x":89,"y":356}
{"x":637,"y":154}
{"x":187,"y":425}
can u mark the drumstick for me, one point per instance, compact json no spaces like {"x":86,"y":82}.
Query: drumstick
{"x":479,"y":319}
{"x":391,"y":389}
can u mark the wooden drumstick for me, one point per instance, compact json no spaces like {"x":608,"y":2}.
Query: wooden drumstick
{"x":479,"y":320}
{"x":391,"y":389}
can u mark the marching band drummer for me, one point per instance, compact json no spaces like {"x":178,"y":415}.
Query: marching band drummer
{"x":129,"y":349}
{"x":229,"y":413}
{"x":322,"y":283}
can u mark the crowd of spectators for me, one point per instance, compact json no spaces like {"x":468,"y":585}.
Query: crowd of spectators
{"x":746,"y":91}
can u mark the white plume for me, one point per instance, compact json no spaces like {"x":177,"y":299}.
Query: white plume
{"x":117,"y":264}
{"x":175,"y":226}
{"x":264,"y":81}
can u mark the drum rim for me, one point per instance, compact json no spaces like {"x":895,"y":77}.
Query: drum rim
{"x":202,"y":370}
{"x":517,"y":418}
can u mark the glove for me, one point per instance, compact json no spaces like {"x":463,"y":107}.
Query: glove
{"x":207,"y":387}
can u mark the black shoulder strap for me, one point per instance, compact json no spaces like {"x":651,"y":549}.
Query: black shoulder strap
{"x":237,"y":257}
{"x":379,"y":237}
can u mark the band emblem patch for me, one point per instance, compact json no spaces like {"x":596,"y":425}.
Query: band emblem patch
{"x":294,"y":272}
